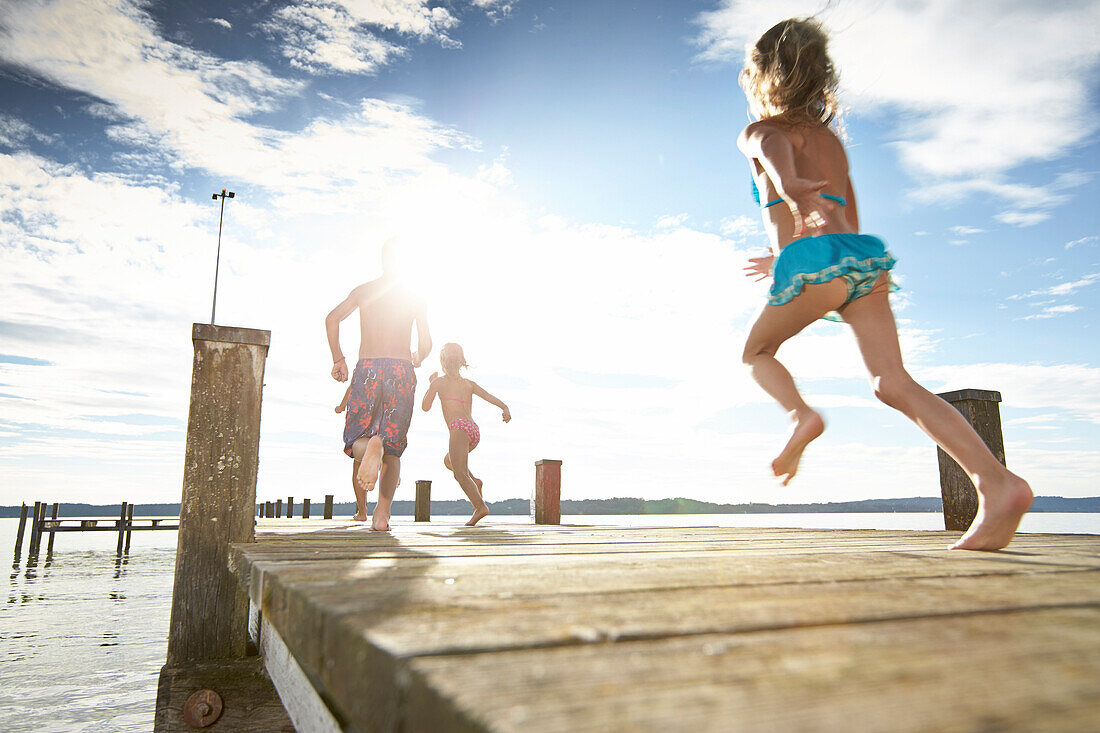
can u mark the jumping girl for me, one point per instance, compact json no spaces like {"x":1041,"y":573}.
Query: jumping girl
{"x":456,"y":396}
{"x":821,"y":264}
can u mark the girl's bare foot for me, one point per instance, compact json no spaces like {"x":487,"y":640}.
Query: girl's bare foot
{"x":1000,"y":508}
{"x":379,"y":523}
{"x":359,"y":517}
{"x":807,"y":427}
{"x":478,"y":515}
{"x":370,"y":465}
{"x":478,"y":482}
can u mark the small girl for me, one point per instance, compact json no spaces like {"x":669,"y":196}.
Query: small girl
{"x":821,"y":264}
{"x":456,"y":399}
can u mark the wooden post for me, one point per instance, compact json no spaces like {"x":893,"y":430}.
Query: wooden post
{"x":260,"y":510}
{"x":305,"y":508}
{"x":36,"y":523}
{"x":121,"y":529}
{"x":278,"y":508}
{"x":547,"y":491}
{"x":328,"y":506}
{"x":208,"y":642}
{"x":290,"y":507}
{"x":129,"y":527}
{"x":422,"y":509}
{"x":19,"y":533}
{"x":269,"y":509}
{"x":53,"y":515}
{"x":960,"y":498}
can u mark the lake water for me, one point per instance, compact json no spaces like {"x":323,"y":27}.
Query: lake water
{"x":83,"y":635}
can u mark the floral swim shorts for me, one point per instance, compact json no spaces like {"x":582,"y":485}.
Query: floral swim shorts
{"x":383,"y":392}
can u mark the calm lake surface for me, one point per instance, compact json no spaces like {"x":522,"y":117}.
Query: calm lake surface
{"x":84,"y":634}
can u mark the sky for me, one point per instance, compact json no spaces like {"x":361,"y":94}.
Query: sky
{"x":564,"y":179}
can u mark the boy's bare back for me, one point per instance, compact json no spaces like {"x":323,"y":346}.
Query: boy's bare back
{"x":386,"y":315}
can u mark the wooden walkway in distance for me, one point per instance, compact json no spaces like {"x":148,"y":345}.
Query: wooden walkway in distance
{"x":436,"y":627}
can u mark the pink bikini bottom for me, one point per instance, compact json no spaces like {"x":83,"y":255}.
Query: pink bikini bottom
{"x":469,"y":427}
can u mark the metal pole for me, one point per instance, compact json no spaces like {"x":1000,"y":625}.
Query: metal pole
{"x":217,"y":261}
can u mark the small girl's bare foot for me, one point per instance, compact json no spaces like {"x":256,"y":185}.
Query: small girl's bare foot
{"x":478,"y":515}
{"x":371,"y":465}
{"x":1000,"y":509}
{"x":359,"y":517}
{"x":806,"y":429}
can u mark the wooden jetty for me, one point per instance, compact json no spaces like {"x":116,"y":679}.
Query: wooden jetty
{"x":323,"y":625}
{"x":521,"y":628}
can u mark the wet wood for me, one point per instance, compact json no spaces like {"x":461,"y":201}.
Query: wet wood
{"x":522,"y":628}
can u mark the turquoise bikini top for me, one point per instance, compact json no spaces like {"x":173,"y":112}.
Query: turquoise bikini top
{"x":756,"y":197}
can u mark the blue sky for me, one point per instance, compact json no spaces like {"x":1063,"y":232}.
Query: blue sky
{"x":566,"y":176}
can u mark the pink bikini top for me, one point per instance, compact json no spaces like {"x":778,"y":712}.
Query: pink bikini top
{"x":458,"y":399}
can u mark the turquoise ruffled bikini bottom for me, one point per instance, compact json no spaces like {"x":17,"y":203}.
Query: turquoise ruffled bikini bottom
{"x":857,"y":258}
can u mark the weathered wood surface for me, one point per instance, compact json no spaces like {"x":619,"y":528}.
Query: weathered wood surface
{"x":520,"y":628}
{"x":960,"y":498}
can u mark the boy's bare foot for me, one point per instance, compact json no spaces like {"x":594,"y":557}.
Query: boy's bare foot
{"x":359,"y":517}
{"x":478,"y":515}
{"x":370,"y":465}
{"x":376,"y":526}
{"x":1000,"y":508}
{"x":478,"y":482}
{"x":806,"y":429}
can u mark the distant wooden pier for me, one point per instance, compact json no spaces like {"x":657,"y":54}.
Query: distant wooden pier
{"x":524,"y":628}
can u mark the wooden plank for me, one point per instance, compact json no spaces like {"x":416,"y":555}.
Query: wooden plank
{"x":306,"y":709}
{"x":249,"y":700}
{"x":1037,"y":670}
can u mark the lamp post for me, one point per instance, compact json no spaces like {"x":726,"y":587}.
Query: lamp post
{"x":223,"y":196}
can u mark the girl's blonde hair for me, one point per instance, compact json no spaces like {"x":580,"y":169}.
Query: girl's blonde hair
{"x":788,"y":73}
{"x":451,"y":358}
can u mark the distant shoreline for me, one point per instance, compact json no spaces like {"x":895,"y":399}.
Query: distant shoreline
{"x":633,"y":506}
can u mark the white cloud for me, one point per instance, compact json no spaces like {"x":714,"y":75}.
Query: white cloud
{"x":983,"y":87}
{"x":15,"y":132}
{"x":1022,"y":218}
{"x":670,"y":221}
{"x":344,"y":35}
{"x":222,"y":22}
{"x":741,"y":227}
{"x":1082,"y":240}
{"x":963,"y":230}
{"x":1051,"y":311}
{"x":1061,"y":289}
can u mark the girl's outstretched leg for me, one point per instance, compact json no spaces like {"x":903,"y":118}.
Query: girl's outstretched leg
{"x":477,"y":481}
{"x":1003,"y":497}
{"x":776,"y":324}
{"x":459,"y":455}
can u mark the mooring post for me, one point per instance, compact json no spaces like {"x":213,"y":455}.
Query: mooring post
{"x":269,"y":509}
{"x":53,"y":515}
{"x":121,"y":529}
{"x":209,"y":680}
{"x":305,"y":508}
{"x":129,"y":527}
{"x":290,"y":507}
{"x":548,"y":491}
{"x":422,"y":508}
{"x":19,"y":532}
{"x":36,"y":528}
{"x":960,"y":498}
{"x":328,"y":506}
{"x":278,"y":508}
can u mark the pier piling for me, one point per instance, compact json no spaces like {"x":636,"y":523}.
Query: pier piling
{"x":278,"y":508}
{"x":19,"y":532}
{"x":53,"y":515}
{"x":960,"y":498}
{"x":121,"y":528}
{"x":208,"y":646}
{"x":290,"y":507}
{"x":305,"y":508}
{"x":129,"y":527}
{"x":422,"y":509}
{"x":548,"y":491}
{"x":328,"y":506}
{"x":36,"y":529}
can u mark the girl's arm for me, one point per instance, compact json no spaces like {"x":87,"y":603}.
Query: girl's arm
{"x":429,"y":396}
{"x":850,"y":211}
{"x":774,"y":150}
{"x":760,"y":267}
{"x":491,"y":400}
